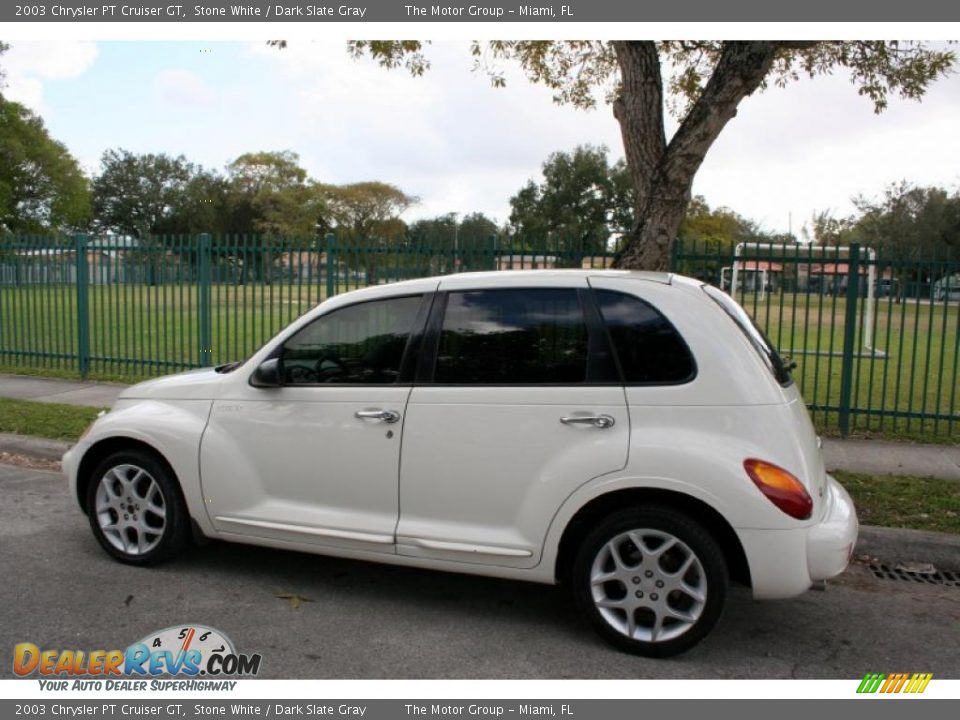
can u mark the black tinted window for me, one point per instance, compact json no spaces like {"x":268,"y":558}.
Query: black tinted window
{"x":649,"y":348}
{"x":360,"y":343}
{"x":529,"y":337}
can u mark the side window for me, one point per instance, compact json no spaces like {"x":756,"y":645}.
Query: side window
{"x":513,"y":337}
{"x":360,"y":343}
{"x":649,"y":348}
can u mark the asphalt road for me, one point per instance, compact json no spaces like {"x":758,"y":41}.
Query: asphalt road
{"x":59,"y":590}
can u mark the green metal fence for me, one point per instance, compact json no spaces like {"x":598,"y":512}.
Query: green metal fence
{"x":115,"y":308}
{"x":876,"y":340}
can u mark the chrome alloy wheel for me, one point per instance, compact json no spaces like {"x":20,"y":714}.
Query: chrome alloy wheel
{"x":648,"y":585}
{"x":131,"y":510}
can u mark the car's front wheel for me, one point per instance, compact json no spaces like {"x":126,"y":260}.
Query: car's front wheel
{"x":135,"y":509}
{"x":651,"y":580}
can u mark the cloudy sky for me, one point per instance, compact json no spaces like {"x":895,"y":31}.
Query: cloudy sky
{"x":449,"y":137}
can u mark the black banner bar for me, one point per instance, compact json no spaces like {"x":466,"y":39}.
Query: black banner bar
{"x":187,"y":709}
{"x":413,"y":11}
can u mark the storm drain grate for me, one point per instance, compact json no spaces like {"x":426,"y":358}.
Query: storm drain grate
{"x":937,"y":577}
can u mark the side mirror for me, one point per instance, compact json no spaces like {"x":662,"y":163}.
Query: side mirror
{"x":268,"y":374}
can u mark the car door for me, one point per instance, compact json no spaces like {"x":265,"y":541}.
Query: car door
{"x":517,"y":403}
{"x":316,"y":459}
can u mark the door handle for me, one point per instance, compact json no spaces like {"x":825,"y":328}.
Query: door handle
{"x":598,"y":421}
{"x":387,"y":416}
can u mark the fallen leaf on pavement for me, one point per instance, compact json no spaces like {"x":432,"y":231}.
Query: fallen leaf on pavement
{"x":294,"y":599}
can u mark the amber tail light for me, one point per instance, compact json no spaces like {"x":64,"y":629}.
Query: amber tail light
{"x":780,"y":487}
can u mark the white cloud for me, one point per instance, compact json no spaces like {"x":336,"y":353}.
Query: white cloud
{"x":461,"y":145}
{"x":817,"y":143}
{"x":182,"y":87}
{"x":29,"y":64}
{"x":448,"y":136}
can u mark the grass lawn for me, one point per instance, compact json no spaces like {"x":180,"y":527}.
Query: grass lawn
{"x":902,"y":501}
{"x":60,"y":422}
{"x":139,"y":331}
{"x":915,"y":372}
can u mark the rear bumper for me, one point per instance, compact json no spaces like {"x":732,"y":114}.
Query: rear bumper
{"x":830,"y":543}
{"x":785,"y":563}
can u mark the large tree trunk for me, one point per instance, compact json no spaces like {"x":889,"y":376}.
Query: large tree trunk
{"x":663,"y":172}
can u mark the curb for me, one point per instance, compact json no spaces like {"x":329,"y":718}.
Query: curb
{"x":34,"y":447}
{"x":900,"y":545}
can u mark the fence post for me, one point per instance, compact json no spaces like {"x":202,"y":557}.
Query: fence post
{"x":83,"y":305}
{"x":849,"y":337}
{"x":204,"y":335}
{"x":674,"y":254}
{"x":491,"y":253}
{"x":331,"y":266}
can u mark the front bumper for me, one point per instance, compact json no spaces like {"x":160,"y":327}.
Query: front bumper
{"x":68,"y":465}
{"x":785,"y":563}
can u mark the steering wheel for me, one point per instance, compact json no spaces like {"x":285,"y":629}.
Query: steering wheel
{"x":300,"y":375}
{"x":320,"y":371}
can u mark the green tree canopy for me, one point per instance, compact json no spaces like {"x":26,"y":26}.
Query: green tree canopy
{"x":909,"y":222}
{"x":475,"y":231}
{"x":368,"y":211}
{"x":270,"y":193}
{"x":581,"y":202}
{"x":42,"y":188}
{"x":257,"y":172}
{"x":141,"y":195}
{"x":720,"y":226}
{"x":435,"y":232}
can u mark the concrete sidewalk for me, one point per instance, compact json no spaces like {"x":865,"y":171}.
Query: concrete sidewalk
{"x":55,"y":390}
{"x":866,"y":456}
{"x":879,"y":457}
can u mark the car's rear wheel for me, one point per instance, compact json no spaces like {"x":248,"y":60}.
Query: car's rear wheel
{"x":135,"y":509}
{"x":651,"y":580}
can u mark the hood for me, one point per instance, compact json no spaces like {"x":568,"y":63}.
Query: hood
{"x":190,"y":385}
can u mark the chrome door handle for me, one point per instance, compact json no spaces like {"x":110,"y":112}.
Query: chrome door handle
{"x":598,"y":421}
{"x":387,"y":416}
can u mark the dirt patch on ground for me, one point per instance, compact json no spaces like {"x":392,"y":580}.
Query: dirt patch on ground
{"x":29,"y":462}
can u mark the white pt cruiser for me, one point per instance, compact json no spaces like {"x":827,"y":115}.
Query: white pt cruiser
{"x":632,"y":435}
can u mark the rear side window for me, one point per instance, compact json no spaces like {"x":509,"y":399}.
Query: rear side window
{"x":650,"y":350}
{"x":513,"y":337}
{"x":754,"y":334}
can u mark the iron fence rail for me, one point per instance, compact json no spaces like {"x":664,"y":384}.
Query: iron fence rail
{"x":876,"y":340}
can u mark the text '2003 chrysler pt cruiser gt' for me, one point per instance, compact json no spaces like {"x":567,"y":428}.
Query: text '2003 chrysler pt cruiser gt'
{"x":632,"y":435}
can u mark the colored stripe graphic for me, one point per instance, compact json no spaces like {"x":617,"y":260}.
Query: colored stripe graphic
{"x":870,"y":683}
{"x":919,"y":682}
{"x":894,"y":683}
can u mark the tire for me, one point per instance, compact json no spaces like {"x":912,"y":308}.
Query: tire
{"x":614,"y":582}
{"x":135,"y":508}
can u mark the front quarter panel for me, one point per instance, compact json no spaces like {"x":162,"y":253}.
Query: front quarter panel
{"x":172,"y":427}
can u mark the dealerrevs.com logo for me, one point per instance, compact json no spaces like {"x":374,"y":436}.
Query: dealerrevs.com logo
{"x":182,"y":651}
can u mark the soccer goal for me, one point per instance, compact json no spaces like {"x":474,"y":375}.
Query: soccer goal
{"x":819,"y":269}
{"x":750,"y":280}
